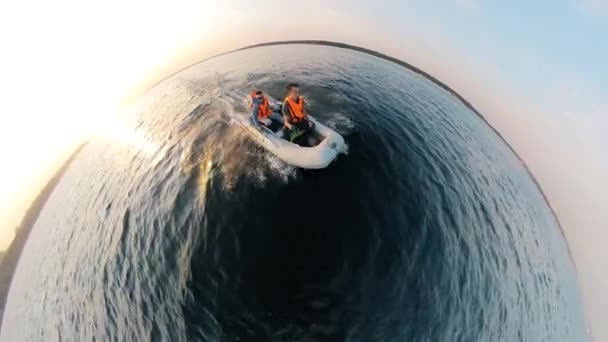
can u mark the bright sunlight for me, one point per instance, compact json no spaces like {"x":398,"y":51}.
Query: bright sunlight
{"x":65,"y":76}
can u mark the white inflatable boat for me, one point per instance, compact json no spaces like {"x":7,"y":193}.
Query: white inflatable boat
{"x":316,"y":157}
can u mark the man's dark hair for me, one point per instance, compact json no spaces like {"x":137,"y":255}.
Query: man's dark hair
{"x":292,"y":85}
{"x":258,"y":92}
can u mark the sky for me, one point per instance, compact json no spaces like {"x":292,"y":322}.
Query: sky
{"x":536,"y":70}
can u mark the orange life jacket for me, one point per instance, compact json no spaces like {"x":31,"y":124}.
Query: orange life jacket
{"x":296,"y":109}
{"x":263,"y":108}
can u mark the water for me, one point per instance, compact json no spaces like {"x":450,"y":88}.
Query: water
{"x":173,"y":225}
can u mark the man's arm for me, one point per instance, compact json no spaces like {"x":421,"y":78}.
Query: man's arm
{"x":254,"y":112}
{"x":304,"y":110}
{"x":286,"y":115}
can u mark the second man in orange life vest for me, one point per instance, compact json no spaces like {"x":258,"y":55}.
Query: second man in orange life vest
{"x":261,"y":111}
{"x":295,"y":115}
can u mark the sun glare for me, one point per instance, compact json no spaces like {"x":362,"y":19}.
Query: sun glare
{"x":67,"y":68}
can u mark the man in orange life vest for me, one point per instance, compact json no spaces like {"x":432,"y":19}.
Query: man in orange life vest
{"x":261,"y":111}
{"x":295,"y":116}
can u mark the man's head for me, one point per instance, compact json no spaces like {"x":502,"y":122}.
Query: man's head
{"x":293,"y":91}
{"x":259,"y":95}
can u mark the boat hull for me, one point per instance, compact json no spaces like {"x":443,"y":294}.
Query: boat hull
{"x":317,"y":157}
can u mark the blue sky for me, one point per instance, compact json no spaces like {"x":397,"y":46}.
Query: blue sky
{"x":554,"y":51}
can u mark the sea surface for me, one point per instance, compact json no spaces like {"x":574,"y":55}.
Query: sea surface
{"x":172,"y":225}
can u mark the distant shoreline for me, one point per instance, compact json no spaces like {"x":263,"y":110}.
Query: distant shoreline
{"x":13,"y":253}
{"x":411,"y":68}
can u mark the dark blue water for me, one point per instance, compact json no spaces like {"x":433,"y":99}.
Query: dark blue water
{"x":173,"y":225}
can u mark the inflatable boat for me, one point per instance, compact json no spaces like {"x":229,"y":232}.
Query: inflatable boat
{"x":330,"y":144}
